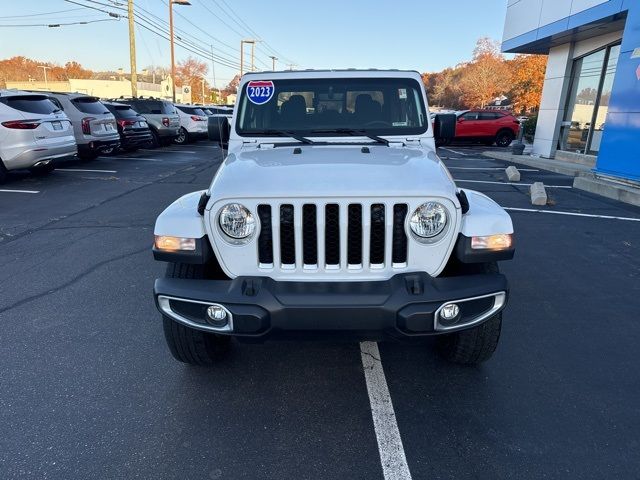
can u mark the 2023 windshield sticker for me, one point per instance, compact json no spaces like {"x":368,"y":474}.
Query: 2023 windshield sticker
{"x":260,"y":91}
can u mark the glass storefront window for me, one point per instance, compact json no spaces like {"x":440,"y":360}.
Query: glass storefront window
{"x":603,"y":102}
{"x":588,"y":101}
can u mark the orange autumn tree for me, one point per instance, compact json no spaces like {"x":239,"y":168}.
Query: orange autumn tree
{"x":486,"y":76}
{"x":191,"y":72}
{"x":527,"y":80}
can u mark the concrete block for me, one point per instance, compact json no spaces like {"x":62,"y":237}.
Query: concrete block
{"x":512,"y":174}
{"x":538,"y":194}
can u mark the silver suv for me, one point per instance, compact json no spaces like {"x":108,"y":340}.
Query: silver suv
{"x":33,"y":132}
{"x":94,"y":126}
{"x":161,"y":115}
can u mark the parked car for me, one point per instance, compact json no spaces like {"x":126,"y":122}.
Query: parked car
{"x":33,"y":132}
{"x":213,"y":110}
{"x":335,"y":221}
{"x":487,"y":126}
{"x":93,"y":125}
{"x":161,"y":115}
{"x":133,"y":128}
{"x":193,"y":124}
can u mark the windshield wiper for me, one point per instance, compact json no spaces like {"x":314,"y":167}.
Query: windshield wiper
{"x":285,"y":133}
{"x":352,"y":132}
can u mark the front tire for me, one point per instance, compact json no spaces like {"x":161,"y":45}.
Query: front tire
{"x":474,"y":345}
{"x":504,"y":138}
{"x":188,"y":345}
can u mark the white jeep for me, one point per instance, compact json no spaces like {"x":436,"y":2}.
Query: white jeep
{"x":332,"y":215}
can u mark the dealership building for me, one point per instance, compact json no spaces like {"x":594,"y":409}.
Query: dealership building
{"x":590,"y":107}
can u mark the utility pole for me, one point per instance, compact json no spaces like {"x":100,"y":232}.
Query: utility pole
{"x":132,"y":51}
{"x":44,"y":69}
{"x":202,"y":79}
{"x":273,"y":62}
{"x":252,"y":43}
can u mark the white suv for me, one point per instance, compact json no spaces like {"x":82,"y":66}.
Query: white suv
{"x":33,"y":132}
{"x":332,"y":215}
{"x":94,"y":125}
{"x":193,"y":123}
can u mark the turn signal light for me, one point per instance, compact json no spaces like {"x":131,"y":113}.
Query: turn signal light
{"x":492,"y":242}
{"x":172,"y":244}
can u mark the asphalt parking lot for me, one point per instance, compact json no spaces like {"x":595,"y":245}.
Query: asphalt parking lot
{"x":89,"y":389}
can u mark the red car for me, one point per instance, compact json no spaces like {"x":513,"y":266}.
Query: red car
{"x":487,"y":126}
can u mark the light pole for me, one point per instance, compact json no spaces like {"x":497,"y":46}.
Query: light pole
{"x":173,"y":63}
{"x":273,"y":62}
{"x":242,"y":42}
{"x":44,"y":69}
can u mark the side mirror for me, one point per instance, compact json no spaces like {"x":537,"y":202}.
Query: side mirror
{"x":219,"y":130}
{"x":460,"y":119}
{"x":444,"y":126}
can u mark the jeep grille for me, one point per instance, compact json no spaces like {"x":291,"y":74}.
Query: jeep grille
{"x":362,"y":238}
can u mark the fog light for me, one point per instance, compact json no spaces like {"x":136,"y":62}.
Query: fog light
{"x":217,"y":316}
{"x":450,"y":311}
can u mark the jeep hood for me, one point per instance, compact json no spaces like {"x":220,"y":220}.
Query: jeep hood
{"x":332,"y":171}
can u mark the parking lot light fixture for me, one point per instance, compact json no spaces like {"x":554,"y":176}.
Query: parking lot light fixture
{"x":173,"y":63}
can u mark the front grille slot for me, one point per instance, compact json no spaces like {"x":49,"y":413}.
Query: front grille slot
{"x":376,"y":248}
{"x":265,"y":240}
{"x":309,"y":235}
{"x":354,"y":235}
{"x":287,"y":236}
{"x":332,"y":234}
{"x":399,"y":245}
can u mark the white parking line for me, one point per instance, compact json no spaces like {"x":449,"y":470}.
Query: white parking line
{"x":573,"y":214}
{"x":141,"y":159}
{"x":392,"y":457}
{"x":19,"y":191}
{"x":84,"y":170}
{"x":456,"y":152}
{"x":178,"y":151}
{"x":510,"y":183}
{"x":491,"y":168}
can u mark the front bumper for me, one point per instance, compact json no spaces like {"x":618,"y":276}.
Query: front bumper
{"x":404,"y":306}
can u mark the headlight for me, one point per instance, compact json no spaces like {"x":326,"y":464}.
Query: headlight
{"x":237,"y":221}
{"x":428,"y":220}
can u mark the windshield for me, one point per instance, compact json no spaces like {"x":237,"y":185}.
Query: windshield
{"x":332,"y":107}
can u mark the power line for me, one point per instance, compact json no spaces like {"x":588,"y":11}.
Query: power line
{"x":161,"y":31}
{"x":240,"y":21}
{"x":41,"y":14}
{"x":55,"y":25}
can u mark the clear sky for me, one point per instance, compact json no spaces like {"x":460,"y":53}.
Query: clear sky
{"x":425,"y":35}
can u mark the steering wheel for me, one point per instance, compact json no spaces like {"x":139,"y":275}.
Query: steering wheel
{"x":378,"y":123}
